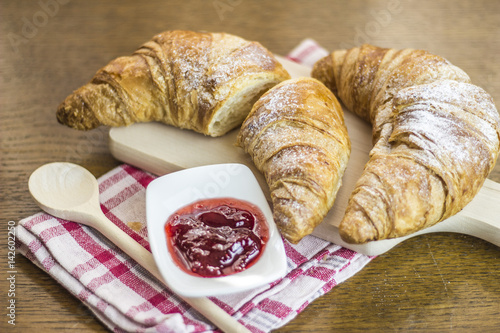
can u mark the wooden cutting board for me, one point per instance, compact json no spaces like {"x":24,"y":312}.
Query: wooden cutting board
{"x":161,"y":149}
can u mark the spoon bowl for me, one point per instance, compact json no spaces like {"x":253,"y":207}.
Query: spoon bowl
{"x":70,"y":192}
{"x":66,"y":191}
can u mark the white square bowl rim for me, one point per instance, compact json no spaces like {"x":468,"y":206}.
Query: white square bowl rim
{"x":170,"y":192}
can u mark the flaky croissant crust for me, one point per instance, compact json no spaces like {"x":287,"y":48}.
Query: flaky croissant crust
{"x":201,"y":81}
{"x":436,"y":138}
{"x":296,"y":136}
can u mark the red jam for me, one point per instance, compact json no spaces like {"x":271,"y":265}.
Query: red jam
{"x":216,"y":237}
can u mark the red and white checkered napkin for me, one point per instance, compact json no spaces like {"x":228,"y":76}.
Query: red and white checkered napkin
{"x":125,"y":297}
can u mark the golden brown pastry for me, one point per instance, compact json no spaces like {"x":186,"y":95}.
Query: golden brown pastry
{"x":296,"y":136}
{"x":436,"y":138}
{"x":206,"y":82}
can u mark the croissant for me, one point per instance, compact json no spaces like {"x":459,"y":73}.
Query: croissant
{"x":296,"y":136}
{"x":435,"y":136}
{"x":206,"y":82}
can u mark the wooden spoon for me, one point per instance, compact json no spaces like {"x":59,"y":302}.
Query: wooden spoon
{"x":71,"y":192}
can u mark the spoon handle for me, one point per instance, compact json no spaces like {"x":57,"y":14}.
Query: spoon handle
{"x":203,"y":305}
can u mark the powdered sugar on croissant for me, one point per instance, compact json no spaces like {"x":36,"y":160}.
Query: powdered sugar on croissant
{"x":206,"y":82}
{"x":436,"y":138}
{"x":296,"y":136}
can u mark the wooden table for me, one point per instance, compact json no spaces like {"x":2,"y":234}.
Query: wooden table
{"x":439,"y":282}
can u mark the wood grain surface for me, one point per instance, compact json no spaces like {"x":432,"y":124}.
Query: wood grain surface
{"x":437,"y":283}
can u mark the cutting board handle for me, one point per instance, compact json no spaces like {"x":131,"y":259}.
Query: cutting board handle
{"x":484,"y":213}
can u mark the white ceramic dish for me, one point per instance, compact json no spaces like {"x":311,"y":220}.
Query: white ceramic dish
{"x":168,"y":193}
